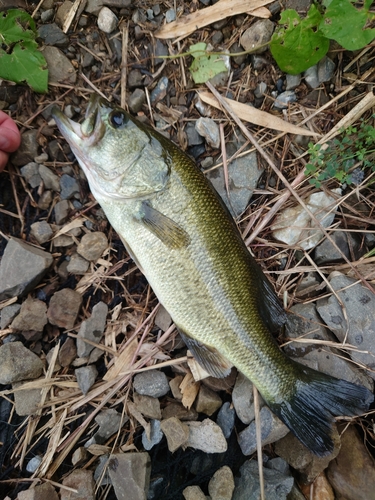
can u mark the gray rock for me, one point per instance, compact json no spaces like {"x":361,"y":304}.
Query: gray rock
{"x":243,"y":399}
{"x":282,"y":101}
{"x":170,"y":15}
{"x":304,"y":322}
{"x":309,"y":286}
{"x":192,"y":135}
{"x":32,"y":316}
{"x":300,"y":458}
{"x":243,"y":173}
{"x":27,"y":150}
{"x":18,"y":363}
{"x":26,"y":402}
{"x":7,"y":315}
{"x":63,"y":240}
{"x":207,"y":128}
{"x":94,"y":6}
{"x":53,"y":35}
{"x":160,"y":50}
{"x":136,"y":100}
{"x":147,"y":405}
{"x":194,"y":493}
{"x":22,"y":267}
{"x":352,"y":473}
{"x":81,"y":480}
{"x":60,"y":69}
{"x":294,"y":225}
{"x":77,"y":264}
{"x":92,"y":329}
{"x":41,"y":231}
{"x":30,"y":172}
{"x":69,"y":187}
{"x":86,"y":376}
{"x":160,"y":91}
{"x":259,"y":33}
{"x":260,"y":90}
{"x":151,"y":383}
{"x":101,"y":474}
{"x":326,"y":69}
{"x":33,"y":464}
{"x":163,"y":319}
{"x":292,"y":81}
{"x":226,"y":418}
{"x":45,"y":200}
{"x":272,"y":429}
{"x":61,"y":211}
{"x":80,"y":455}
{"x":348,"y":244}
{"x":47,"y":15}
{"x":236,"y":49}
{"x":107,"y":20}
{"x":156,"y":435}
{"x":176,"y":432}
{"x":221,"y":484}
{"x":92,"y":245}
{"x":64,"y":307}
{"x":63,"y":12}
{"x":135,"y":79}
{"x":311,"y":77}
{"x":130,"y":475}
{"x":258,"y":61}
{"x":359,"y":331}
{"x":206,"y":436}
{"x":109,"y":422}
{"x":277,"y":486}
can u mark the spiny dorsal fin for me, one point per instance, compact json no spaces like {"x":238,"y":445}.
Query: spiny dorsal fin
{"x":208,"y":357}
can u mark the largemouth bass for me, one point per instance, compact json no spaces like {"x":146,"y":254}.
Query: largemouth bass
{"x":179,"y":233}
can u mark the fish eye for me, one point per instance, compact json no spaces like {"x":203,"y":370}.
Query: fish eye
{"x":118,"y":119}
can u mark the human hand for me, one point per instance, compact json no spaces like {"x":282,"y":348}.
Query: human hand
{"x":10,"y":138}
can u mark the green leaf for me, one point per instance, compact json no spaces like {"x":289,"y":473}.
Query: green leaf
{"x":298,"y":45}
{"x":25,"y":63}
{"x":205,"y":65}
{"x":16,"y":25}
{"x":20,"y":61}
{"x":345,"y":24}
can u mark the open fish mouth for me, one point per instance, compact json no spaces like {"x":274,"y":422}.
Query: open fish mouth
{"x":90,"y":131}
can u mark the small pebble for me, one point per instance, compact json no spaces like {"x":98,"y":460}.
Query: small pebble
{"x":92,"y":245}
{"x":151,"y":383}
{"x":86,"y":376}
{"x":156,"y":435}
{"x":107,"y":20}
{"x":170,"y":15}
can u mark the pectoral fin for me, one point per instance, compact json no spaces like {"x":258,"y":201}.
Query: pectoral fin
{"x":208,"y":357}
{"x":164,"y":228}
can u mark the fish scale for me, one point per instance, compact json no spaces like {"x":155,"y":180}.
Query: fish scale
{"x":183,"y":239}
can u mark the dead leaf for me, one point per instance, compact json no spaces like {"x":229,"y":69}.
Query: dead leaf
{"x":189,"y":389}
{"x":203,"y":17}
{"x":256,"y":116}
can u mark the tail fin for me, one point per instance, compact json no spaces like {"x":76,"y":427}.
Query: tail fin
{"x":317,"y":399}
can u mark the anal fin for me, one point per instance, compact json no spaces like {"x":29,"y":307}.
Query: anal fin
{"x":208,"y":357}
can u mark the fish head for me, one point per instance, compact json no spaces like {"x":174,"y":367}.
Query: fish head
{"x":120,"y":156}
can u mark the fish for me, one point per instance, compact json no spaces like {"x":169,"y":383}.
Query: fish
{"x":183,"y":239}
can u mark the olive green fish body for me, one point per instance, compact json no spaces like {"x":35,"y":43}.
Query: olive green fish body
{"x":183,"y":239}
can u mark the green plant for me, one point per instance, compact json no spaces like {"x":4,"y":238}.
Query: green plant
{"x":337,"y":159}
{"x":299,"y":43}
{"x":19,"y":58}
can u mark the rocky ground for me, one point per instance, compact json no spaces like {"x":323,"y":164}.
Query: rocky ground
{"x":99,"y":398}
